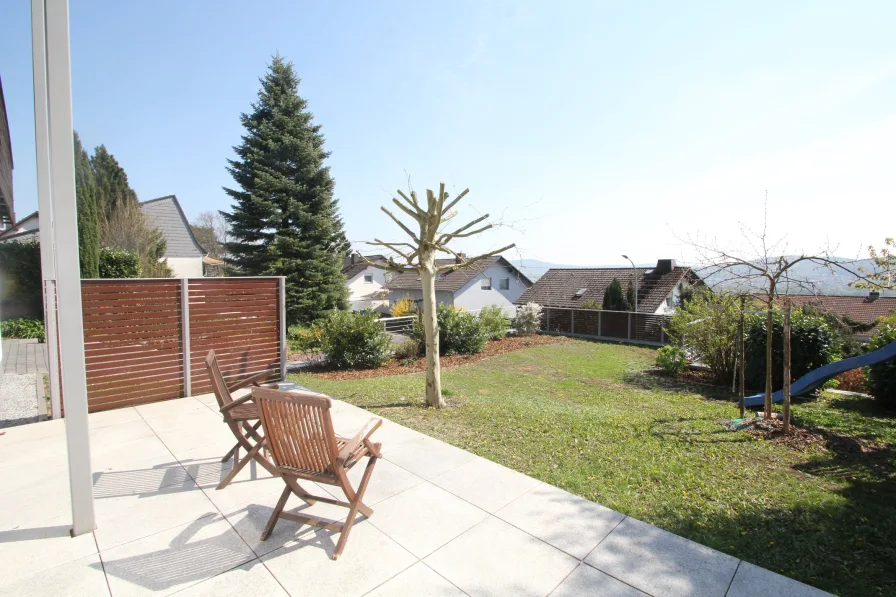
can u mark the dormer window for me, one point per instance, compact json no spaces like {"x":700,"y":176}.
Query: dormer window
{"x":368,"y":278}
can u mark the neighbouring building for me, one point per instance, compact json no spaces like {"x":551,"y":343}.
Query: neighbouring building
{"x":490,"y":281}
{"x":25,"y":230}
{"x":658,"y":287}
{"x":862,"y":309}
{"x":183,"y":253}
{"x":366,"y":283}
{"x":7,"y":213}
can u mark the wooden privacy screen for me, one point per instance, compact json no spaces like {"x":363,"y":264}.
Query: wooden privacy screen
{"x":240,"y":320}
{"x":137,"y":333}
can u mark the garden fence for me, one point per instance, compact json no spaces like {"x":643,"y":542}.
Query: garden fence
{"x":620,"y":326}
{"x":145,"y":340}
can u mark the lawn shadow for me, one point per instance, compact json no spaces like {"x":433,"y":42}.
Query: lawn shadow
{"x":683,"y":429}
{"x":651,"y":380}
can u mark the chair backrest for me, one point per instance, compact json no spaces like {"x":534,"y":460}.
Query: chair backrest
{"x":299,"y":430}
{"x":222,"y":394}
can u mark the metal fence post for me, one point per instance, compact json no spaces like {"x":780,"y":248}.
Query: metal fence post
{"x":185,"y":330}
{"x":572,"y":321}
{"x":599,"y":319}
{"x":629,"y":325}
{"x":547,"y":325}
{"x":282,"y":327}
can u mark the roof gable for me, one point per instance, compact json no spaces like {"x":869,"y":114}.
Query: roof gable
{"x":166,"y":215}
{"x":454,"y":280}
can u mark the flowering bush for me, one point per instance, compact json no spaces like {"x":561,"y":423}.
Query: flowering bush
{"x":528,"y":319}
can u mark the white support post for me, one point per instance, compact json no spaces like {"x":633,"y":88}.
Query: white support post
{"x":185,"y":331}
{"x":64,"y":222}
{"x":282,"y":305}
{"x":47,"y":251}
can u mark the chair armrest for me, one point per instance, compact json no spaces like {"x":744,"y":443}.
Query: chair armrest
{"x":352,"y":445}
{"x":252,"y":380}
{"x":236,"y":402}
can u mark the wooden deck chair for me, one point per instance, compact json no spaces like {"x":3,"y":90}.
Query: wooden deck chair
{"x":299,"y":433}
{"x":241,"y":415}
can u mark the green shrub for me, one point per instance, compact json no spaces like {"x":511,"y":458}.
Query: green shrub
{"x":814,"y":342}
{"x":590,"y":304}
{"x":20,"y":280}
{"x":304,"y":340}
{"x":493,"y":321}
{"x":406,"y":350}
{"x":672,"y":360}
{"x":707,"y":326}
{"x":355,"y":340}
{"x":528,"y":319}
{"x":119,"y":263}
{"x":882,"y":377}
{"x":459,"y":332}
{"x":23,"y":328}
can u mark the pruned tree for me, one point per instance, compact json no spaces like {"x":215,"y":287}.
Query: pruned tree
{"x":128,"y":229}
{"x":763,"y":266}
{"x":211,"y":230}
{"x":430,"y":239}
{"x":883,"y":276}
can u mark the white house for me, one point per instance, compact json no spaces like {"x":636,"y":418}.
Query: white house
{"x":658,"y":287}
{"x":365,"y":283}
{"x":491,"y":281}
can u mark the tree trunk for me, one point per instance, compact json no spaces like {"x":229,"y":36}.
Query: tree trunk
{"x":786,"y":389}
{"x":742,"y":355}
{"x":431,"y":329}
{"x":769,"y":321}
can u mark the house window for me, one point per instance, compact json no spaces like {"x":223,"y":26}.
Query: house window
{"x":669,"y":301}
{"x":368,"y":278}
{"x":486,"y":284}
{"x":504,"y":284}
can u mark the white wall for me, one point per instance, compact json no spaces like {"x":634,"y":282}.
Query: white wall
{"x":366,"y":295}
{"x":664,"y":307}
{"x":443,"y":297}
{"x":186,"y":267}
{"x":473,"y":298}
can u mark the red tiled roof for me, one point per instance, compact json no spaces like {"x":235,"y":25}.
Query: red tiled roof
{"x":860,"y":309}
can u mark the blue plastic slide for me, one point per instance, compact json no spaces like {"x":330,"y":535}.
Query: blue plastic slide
{"x":818,"y":377}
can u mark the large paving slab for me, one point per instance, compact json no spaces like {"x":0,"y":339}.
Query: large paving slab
{"x":445,"y":523}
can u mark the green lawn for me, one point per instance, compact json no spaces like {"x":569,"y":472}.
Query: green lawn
{"x":584,"y":416}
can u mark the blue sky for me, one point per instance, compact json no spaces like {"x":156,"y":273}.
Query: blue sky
{"x":590,"y":129}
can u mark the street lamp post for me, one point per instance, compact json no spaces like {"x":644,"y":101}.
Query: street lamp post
{"x":635,"y":276}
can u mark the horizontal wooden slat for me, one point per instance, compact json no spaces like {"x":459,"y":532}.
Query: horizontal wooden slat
{"x":268,"y":328}
{"x":131,"y":334}
{"x":149,"y":316}
{"x":133,"y":390}
{"x":235,"y":309}
{"x":95,"y":408}
{"x":199,"y":286}
{"x":105,"y":379}
{"x":135,"y":358}
{"x":122,"y":309}
{"x":147,"y":398}
{"x":100,"y":349}
{"x":123,"y":289}
{"x":131,"y":327}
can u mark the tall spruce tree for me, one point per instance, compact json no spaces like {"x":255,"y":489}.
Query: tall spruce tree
{"x":285,"y":221}
{"x":88,"y":223}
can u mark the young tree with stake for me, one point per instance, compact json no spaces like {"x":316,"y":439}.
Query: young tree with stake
{"x":420,"y":254}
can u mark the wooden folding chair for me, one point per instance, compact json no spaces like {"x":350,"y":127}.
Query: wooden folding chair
{"x":299,"y":433}
{"x":238,"y":415}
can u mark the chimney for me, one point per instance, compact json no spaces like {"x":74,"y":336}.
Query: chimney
{"x":353,"y":259}
{"x":461,"y":257}
{"x":664,"y":266}
{"x":873,"y":296}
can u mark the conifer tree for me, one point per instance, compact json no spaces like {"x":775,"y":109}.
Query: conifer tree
{"x":614,"y":299}
{"x":112,"y":186}
{"x":88,"y":224}
{"x":285,"y":221}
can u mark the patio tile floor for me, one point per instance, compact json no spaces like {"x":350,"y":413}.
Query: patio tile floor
{"x":446,"y":523}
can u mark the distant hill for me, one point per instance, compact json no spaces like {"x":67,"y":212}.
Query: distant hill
{"x":824,"y":280}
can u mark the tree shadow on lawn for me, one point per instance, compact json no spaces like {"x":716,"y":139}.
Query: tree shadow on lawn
{"x":651,"y":380}
{"x":685,"y":429}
